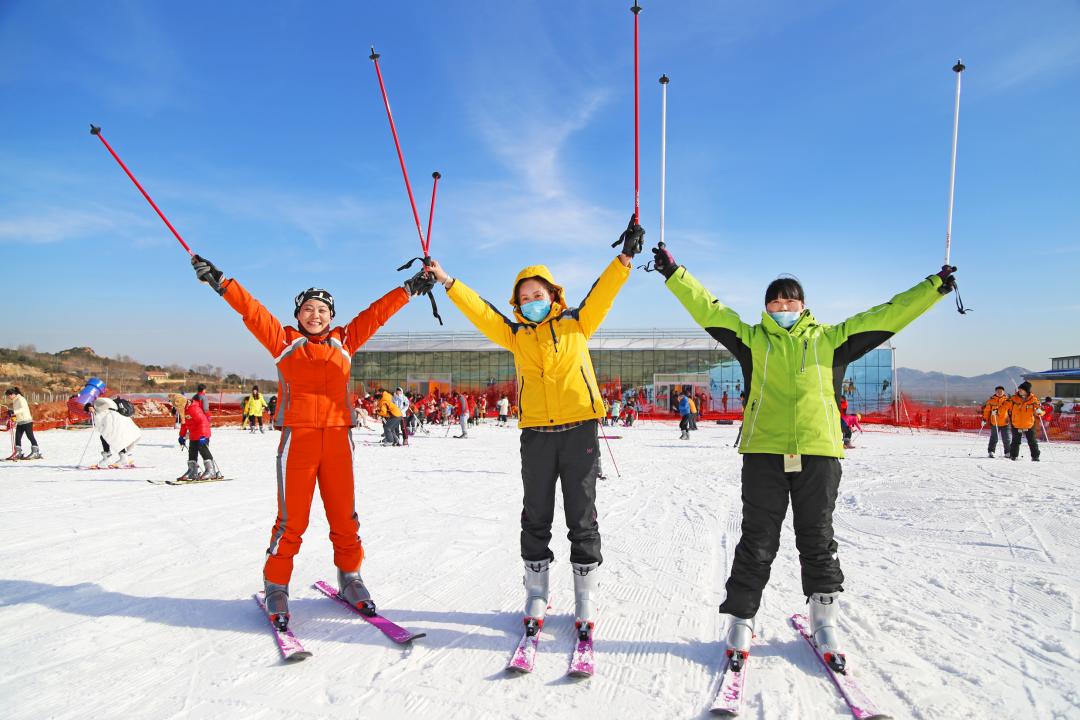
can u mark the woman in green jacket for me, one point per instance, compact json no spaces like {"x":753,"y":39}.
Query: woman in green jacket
{"x":791,"y":442}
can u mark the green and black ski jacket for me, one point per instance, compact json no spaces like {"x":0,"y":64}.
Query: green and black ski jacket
{"x":792,"y":377}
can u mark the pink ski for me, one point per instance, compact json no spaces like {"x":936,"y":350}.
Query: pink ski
{"x":525,"y":654}
{"x":391,"y":630}
{"x":583,"y":661}
{"x":729,"y":698}
{"x":857,"y":701}
{"x":291,"y":649}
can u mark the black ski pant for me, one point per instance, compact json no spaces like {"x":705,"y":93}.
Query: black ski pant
{"x":845,"y":430}
{"x":574,"y":457}
{"x":198,"y":449}
{"x":1003,"y":431}
{"x":1032,"y":440}
{"x":765,"y":492}
{"x":27,"y":429}
{"x":684,"y":423}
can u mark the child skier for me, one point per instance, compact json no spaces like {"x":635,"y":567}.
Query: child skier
{"x":313,"y":361}
{"x":256,"y":406}
{"x":996,"y":413}
{"x":117,"y":432}
{"x":24,"y":425}
{"x":791,"y":444}
{"x":197,"y":428}
{"x":559,"y":401}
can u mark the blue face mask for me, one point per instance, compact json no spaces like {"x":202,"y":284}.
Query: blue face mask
{"x":536,"y":310}
{"x":785,"y":319}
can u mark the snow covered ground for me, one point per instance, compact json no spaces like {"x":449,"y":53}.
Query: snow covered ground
{"x":122,"y":599}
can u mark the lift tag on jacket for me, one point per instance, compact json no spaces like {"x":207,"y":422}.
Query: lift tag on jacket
{"x":793,"y":463}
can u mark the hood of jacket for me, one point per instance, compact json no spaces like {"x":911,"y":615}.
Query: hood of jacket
{"x":103,"y":403}
{"x":558,"y":303}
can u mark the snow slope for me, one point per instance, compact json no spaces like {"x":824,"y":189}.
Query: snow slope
{"x":122,"y":599}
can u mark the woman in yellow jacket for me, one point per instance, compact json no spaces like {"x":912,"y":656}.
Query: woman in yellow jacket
{"x":560,"y":406}
{"x":1024,"y":411}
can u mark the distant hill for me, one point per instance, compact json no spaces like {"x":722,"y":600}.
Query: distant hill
{"x":46,"y":377}
{"x":938,"y":387}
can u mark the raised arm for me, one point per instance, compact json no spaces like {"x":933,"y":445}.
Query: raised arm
{"x":861,"y":333}
{"x":597,"y":303}
{"x":364,"y":325}
{"x":495,"y":326}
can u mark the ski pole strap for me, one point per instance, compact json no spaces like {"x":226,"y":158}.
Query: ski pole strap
{"x":960,"y":303}
{"x":426,"y":260}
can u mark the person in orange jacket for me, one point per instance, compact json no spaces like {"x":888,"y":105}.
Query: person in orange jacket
{"x":315,"y":418}
{"x":995,"y":413}
{"x":1024,"y":411}
{"x":391,"y":416}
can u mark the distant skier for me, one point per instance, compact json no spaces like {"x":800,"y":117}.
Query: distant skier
{"x":995,"y":413}
{"x":502,"y":407}
{"x":256,"y":408}
{"x":791,"y":442}
{"x":118,"y":433}
{"x":845,"y":428}
{"x":684,"y":415}
{"x":200,"y":397}
{"x":462,"y":404}
{"x":24,"y":426}
{"x":559,"y":400}
{"x":1024,"y":412}
{"x":313,"y":362}
{"x":271,"y":410}
{"x":196,"y":429}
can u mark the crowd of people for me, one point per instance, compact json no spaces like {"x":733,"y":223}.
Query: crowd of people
{"x":1013,"y":418}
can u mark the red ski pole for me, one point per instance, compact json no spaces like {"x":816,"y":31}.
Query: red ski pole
{"x":95,"y":130}
{"x":431,"y":213}
{"x":401,"y":158}
{"x":637,"y":126}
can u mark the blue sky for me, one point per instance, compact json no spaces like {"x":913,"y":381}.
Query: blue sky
{"x":808,"y":138}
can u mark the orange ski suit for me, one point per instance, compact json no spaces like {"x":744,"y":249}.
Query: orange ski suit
{"x":315,"y":418}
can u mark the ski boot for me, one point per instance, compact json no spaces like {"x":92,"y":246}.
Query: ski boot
{"x":991,"y":453}
{"x":192,"y":472}
{"x":277,"y":604}
{"x":740,"y":634}
{"x":126,"y":460}
{"x":584,"y":587}
{"x":102,"y":463}
{"x":536,"y":594}
{"x":210,"y":471}
{"x":35,"y":454}
{"x":353,"y":591}
{"x":825,"y":628}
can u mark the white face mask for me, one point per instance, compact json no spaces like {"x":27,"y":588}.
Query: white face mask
{"x":786,"y":318}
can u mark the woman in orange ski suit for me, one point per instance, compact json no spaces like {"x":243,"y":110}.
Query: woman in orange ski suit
{"x":315,"y":418}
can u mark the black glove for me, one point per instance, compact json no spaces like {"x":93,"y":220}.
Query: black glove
{"x":183,"y":441}
{"x":420,"y":283}
{"x":206,"y":272}
{"x":663,"y":261}
{"x":632,"y":239}
{"x":948,"y":282}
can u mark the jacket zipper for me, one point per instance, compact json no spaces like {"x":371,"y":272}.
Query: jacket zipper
{"x":804,"y":344}
{"x":551,"y":326}
{"x":521,"y":397}
{"x":592,"y":400}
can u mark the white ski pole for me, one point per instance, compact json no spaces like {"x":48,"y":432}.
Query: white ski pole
{"x":93,"y":431}
{"x":1043,"y":426}
{"x":958,"y":68}
{"x":663,"y":150}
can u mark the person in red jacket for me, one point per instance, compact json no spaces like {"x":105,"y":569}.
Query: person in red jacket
{"x":197,"y":429}
{"x":313,"y":361}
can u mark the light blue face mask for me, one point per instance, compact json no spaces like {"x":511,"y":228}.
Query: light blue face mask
{"x":785,"y":319}
{"x":536,"y":310}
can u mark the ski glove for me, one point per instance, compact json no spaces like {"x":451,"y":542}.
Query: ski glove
{"x":632,"y":239}
{"x":420,"y":283}
{"x":208,"y":273}
{"x":663,"y":261}
{"x":948,"y":282}
{"x":183,"y":442}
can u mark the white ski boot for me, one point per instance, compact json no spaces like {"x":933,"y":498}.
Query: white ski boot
{"x":210,"y":471}
{"x":536,"y":594}
{"x":103,"y":462}
{"x":35,"y":454}
{"x":351,"y":588}
{"x":192,"y":472}
{"x":277,"y":604}
{"x":825,"y":628}
{"x":584,"y":587}
{"x":740,"y":635}
{"x":126,"y":460}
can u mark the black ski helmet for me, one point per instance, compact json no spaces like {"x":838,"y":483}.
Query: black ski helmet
{"x":319,"y":294}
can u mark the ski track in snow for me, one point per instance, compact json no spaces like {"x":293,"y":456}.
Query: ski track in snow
{"x":124,"y":599}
